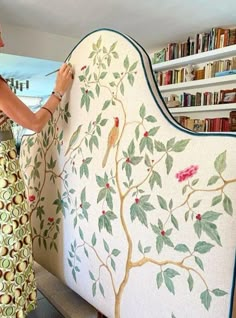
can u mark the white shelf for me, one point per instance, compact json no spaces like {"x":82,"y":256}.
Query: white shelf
{"x":199,"y":83}
{"x":207,"y":108}
{"x":199,"y":58}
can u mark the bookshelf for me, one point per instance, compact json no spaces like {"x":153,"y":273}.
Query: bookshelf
{"x":201,"y":85}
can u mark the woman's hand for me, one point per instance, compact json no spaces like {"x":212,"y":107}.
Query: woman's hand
{"x":64,"y":78}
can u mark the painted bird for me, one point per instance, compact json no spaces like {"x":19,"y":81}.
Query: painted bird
{"x":112,"y":139}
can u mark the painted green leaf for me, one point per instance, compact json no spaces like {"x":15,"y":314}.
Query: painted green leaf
{"x":116,"y":75}
{"x":113,"y":264}
{"x":213,"y":180}
{"x":140,"y":247}
{"x":162,"y":202}
{"x":159,"y":279}
{"x":137,"y":132}
{"x":203,"y":247}
{"x":94,"y":239}
{"x":180,"y":145}
{"x":107,"y":224}
{"x":216,"y":200}
{"x":122,"y":89}
{"x":135,"y":160}
{"x":206,"y":299}
{"x":155,"y":178}
{"x":169,"y":284}
{"x":126,"y":63}
{"x":153,"y":131}
{"x":103,"y":75}
{"x":196,"y":204}
{"x":142,"y":144}
{"x":81,"y":234}
{"x":218,"y":292}
{"x":115,"y":55}
{"x":150,"y":119}
{"x":131,"y":148}
{"x":227,"y":204}
{"x":198,"y":228}
{"x":133,"y":66}
{"x":131,"y":79}
{"x":94,"y":288}
{"x":171,"y":273}
{"x":220,"y":162}
{"x":211,"y":230}
{"x":159,"y":244}
{"x":182,"y":248}
{"x":147,"y":249}
{"x":106,"y":104}
{"x":159,"y":146}
{"x":109,"y":199}
{"x":115,"y":252}
{"x":101,"y":289}
{"x":149,"y":144}
{"x":101,"y":195}
{"x":113,"y":46}
{"x":170,"y":143}
{"x":142,"y":111}
{"x":167,"y":241}
{"x":91,"y":275}
{"x":169,"y":163}
{"x":106,"y":246}
{"x":74,"y":274}
{"x":210,"y":216}
{"x":174,"y":222}
{"x":190,"y":282}
{"x":155,"y":229}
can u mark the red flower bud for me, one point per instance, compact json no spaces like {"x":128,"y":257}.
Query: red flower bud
{"x":137,"y":200}
{"x":163,"y":233}
{"x":107,"y":185}
{"x":103,"y":212}
{"x":127,"y":160}
{"x":51,"y":219}
{"x":31,"y":198}
{"x":146,"y":134}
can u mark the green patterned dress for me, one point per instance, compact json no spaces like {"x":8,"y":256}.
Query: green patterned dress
{"x":17,"y":280}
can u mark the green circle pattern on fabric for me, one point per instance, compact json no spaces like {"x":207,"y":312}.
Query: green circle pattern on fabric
{"x":17,"y":281}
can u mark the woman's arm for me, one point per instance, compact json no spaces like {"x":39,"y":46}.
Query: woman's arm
{"x":16,"y":110}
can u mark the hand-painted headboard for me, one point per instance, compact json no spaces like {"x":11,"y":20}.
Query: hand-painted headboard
{"x":130,"y":210}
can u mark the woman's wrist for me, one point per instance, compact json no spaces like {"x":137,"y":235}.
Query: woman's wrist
{"x":57,"y":94}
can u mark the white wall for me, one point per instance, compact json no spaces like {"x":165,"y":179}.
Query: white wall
{"x":37,"y":44}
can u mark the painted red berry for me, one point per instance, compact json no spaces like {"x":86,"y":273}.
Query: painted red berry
{"x":31,"y":198}
{"x":80,"y":205}
{"x":107,"y":185}
{"x":137,"y":200}
{"x":83,"y":67}
{"x":103,"y":212}
{"x":146,"y":134}
{"x":127,"y":160}
{"x":163,"y":233}
{"x":198,"y":217}
{"x":86,"y":91}
{"x":50,"y":219}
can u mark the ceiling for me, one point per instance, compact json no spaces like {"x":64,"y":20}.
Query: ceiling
{"x":152,"y":23}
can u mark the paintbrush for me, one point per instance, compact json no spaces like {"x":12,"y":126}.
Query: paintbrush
{"x":56,"y":70}
{"x":52,"y":72}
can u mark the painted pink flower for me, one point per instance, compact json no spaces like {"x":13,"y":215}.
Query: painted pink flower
{"x":31,"y":198}
{"x":186,"y":173}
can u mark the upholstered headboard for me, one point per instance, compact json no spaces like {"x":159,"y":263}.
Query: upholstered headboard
{"x":130,"y":210}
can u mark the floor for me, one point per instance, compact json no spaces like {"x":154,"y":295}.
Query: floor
{"x":44,"y":309}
